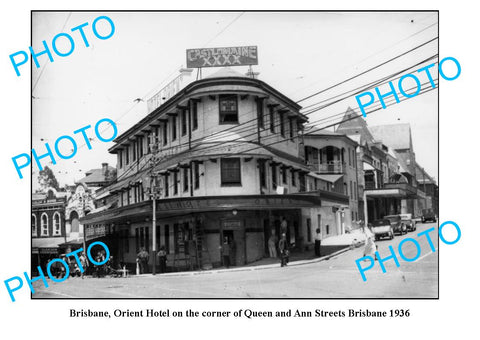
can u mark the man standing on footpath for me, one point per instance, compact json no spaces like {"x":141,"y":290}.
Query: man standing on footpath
{"x":284,"y":252}
{"x":318,"y":240}
{"x":225,"y":250}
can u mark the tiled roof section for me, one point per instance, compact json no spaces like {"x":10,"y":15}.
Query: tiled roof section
{"x":96,"y":176}
{"x":355,"y":126}
{"x":422,"y":175}
{"x":396,"y":136}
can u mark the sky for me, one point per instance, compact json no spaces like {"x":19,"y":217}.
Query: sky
{"x":299,"y":54}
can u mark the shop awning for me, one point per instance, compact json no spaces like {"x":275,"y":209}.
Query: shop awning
{"x":327,"y":178}
{"x":46,"y":245}
{"x":174,"y":206}
{"x":367,"y":166}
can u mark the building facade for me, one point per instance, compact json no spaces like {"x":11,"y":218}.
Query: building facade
{"x":48,"y":226}
{"x":224,"y":158}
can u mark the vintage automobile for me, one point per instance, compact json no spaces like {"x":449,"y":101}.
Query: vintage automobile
{"x":382,"y":228}
{"x":428,"y":215}
{"x":397,"y":224}
{"x":410,"y":223}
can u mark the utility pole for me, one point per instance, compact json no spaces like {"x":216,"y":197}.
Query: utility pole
{"x":154,"y":192}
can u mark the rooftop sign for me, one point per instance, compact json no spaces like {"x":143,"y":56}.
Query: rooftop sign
{"x":222,"y":56}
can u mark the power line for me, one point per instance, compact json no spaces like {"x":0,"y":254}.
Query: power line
{"x":370,"y":69}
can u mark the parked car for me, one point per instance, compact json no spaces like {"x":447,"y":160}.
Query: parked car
{"x":382,"y":228}
{"x":397,"y":224}
{"x":409,"y":222}
{"x":428,"y":215}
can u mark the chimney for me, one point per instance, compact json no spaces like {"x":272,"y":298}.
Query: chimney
{"x":104,"y":168}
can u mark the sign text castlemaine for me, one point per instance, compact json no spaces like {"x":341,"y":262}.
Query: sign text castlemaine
{"x":222,"y":56}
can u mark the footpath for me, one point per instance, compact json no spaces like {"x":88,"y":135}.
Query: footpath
{"x":297,"y":258}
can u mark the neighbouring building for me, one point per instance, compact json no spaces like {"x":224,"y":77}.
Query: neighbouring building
{"x":48,"y":226}
{"x":225,"y":155}
{"x":386,"y":178}
{"x":332,"y":159}
{"x":81,"y":201}
{"x":429,"y":189}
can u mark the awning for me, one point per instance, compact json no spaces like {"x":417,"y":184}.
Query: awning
{"x":105,"y":207}
{"x":46,"y":245}
{"x":327,"y":178}
{"x":74,"y":243}
{"x":367,"y":166}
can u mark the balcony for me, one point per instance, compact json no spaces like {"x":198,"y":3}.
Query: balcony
{"x":330,"y":167}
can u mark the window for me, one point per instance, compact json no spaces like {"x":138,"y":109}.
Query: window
{"x":134,"y":151}
{"x":294,"y":182}
{"x":127,"y":154}
{"x":345,"y":189}
{"x":128,"y":196}
{"x":184,"y":122}
{"x":44,"y":225}
{"x":290,"y":127}
{"x":261,"y":123}
{"x":165,"y":133}
{"x":120,"y":159}
{"x":185,"y":179}
{"x":125,"y":241}
{"x":140,"y":146}
{"x":351,"y":190}
{"x":194,"y":116}
{"x":230,"y":171}
{"x":147,"y":239}
{"x":263,"y":173}
{"x":196,"y":172}
{"x":272,"y":119}
{"x":34,"y":225}
{"x":349,"y":157}
{"x":284,"y":175}
{"x":228,"y":109}
{"x":137,"y":240}
{"x":165,"y":185}
{"x":327,"y":227}
{"x":174,"y":128}
{"x":302,"y":182}
{"x":167,"y":238}
{"x":175,"y":182}
{"x":56,"y":224}
{"x":274,"y":176}
{"x":309,"y":230}
{"x":282,"y":124}
{"x":355,"y":189}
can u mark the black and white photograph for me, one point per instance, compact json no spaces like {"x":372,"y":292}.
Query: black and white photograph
{"x":236,"y":154}
{"x":238,"y":171}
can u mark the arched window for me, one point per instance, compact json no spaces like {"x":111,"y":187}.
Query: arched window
{"x":56,"y":224}
{"x":44,"y":223}
{"x":34,"y":225}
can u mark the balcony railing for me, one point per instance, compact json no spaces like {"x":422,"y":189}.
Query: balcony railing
{"x":331,"y":167}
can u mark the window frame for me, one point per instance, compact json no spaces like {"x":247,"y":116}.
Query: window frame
{"x":42,"y":227}
{"x":221,"y":113}
{"x":226,"y":182}
{"x":54,"y":224}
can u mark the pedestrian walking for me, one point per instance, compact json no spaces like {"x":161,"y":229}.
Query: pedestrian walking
{"x":370,"y":247}
{"x":318,"y":240}
{"x":84,"y":263}
{"x":272,"y":244}
{"x":284,"y":252}
{"x":225,"y":250}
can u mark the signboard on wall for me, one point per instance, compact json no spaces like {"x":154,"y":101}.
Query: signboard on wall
{"x":222,"y":56}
